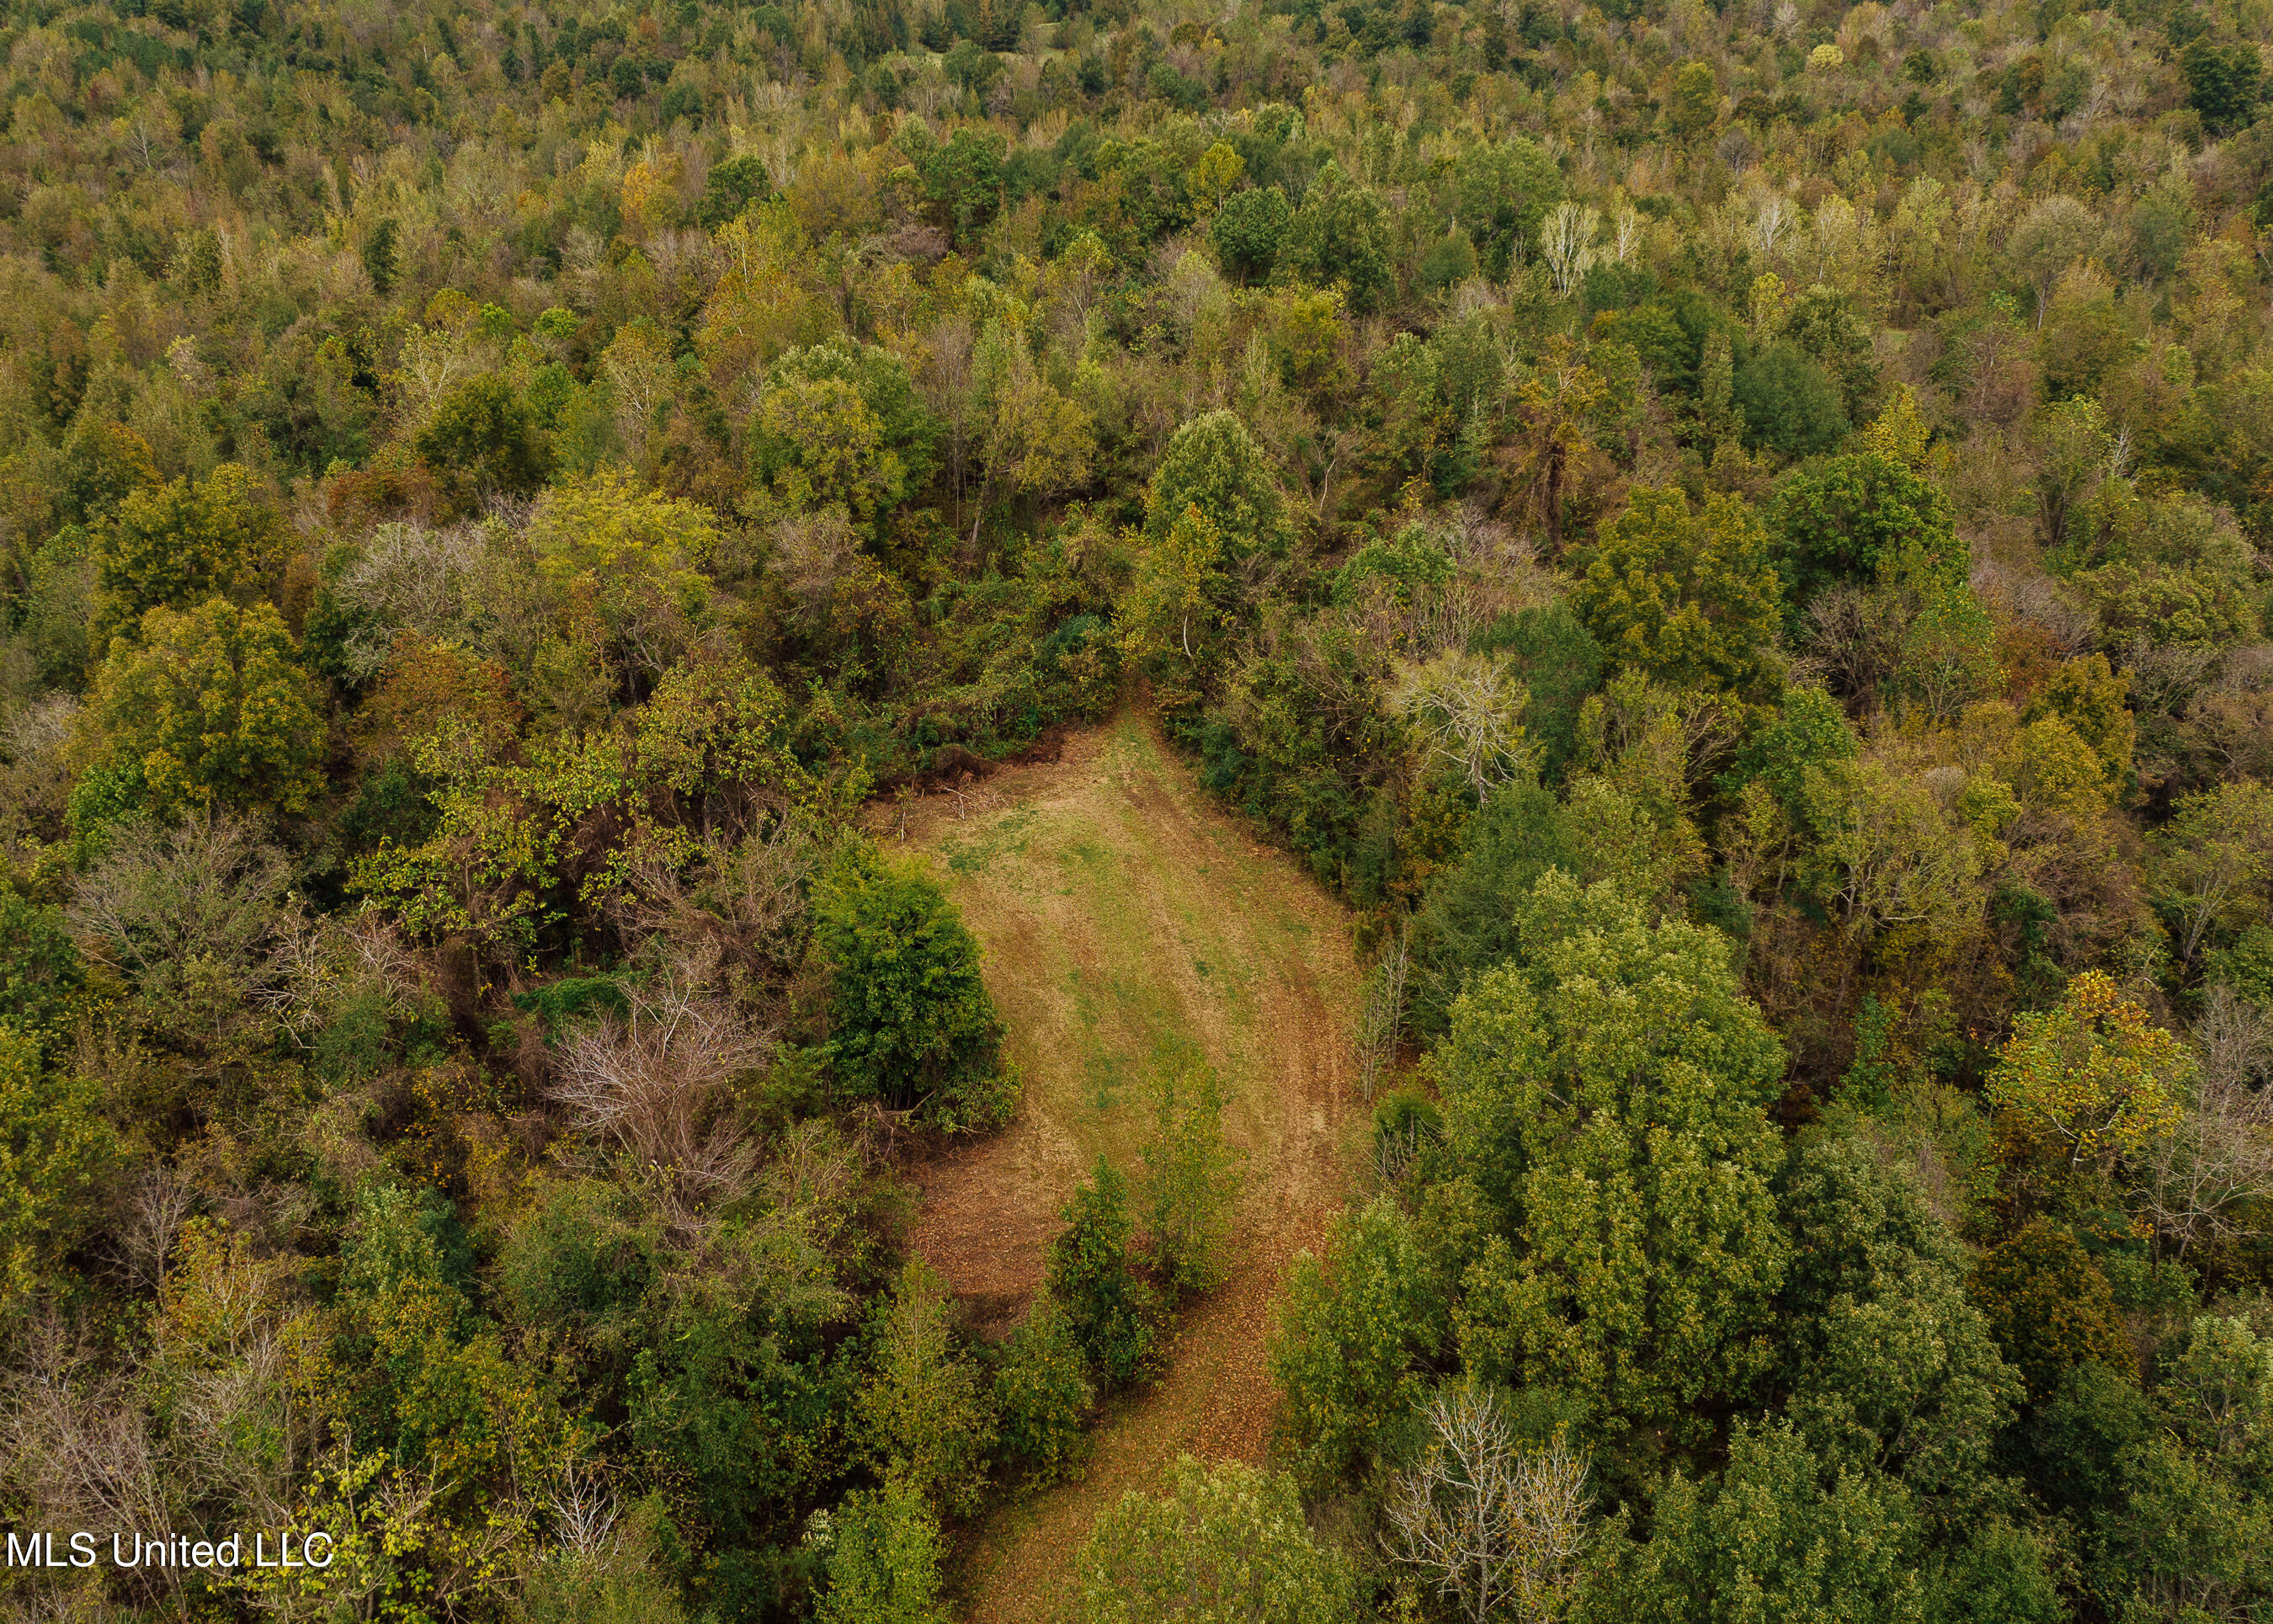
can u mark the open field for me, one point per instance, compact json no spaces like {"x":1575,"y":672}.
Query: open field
{"x":1127,"y":924}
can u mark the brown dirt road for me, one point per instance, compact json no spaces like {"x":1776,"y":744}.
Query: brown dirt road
{"x":1127,"y":922}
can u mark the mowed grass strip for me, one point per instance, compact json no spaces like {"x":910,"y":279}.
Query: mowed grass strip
{"x":1127,"y":923}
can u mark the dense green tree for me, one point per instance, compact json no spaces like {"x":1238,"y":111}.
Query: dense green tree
{"x":1559,"y":663}
{"x":1608,"y":1093}
{"x":1112,"y":1313}
{"x":210,"y":708}
{"x":176,"y":544}
{"x":103,"y":464}
{"x":2223,"y":82}
{"x":1352,"y":1348}
{"x":842,"y":423}
{"x":1502,"y":192}
{"x":2195,"y":1528}
{"x":1857,"y":519}
{"x":2162,"y":1494}
{"x":1340,"y":236}
{"x":732,"y":186}
{"x":2089,"y":697}
{"x":1790,"y":405}
{"x":55,"y":1149}
{"x":1886,"y":1361}
{"x":1221,"y":1543}
{"x":927,"y":1409}
{"x":1214,"y":464}
{"x":382,"y":257}
{"x":1469,"y":920}
{"x":1188,"y":1180}
{"x":1786,"y":1534}
{"x":44,"y":977}
{"x":883,"y":1562}
{"x":1250,"y":231}
{"x":482,"y":439}
{"x":2049,"y":1307}
{"x":1686,"y":595}
{"x":1807,"y":733}
{"x":1696,"y":101}
{"x":962,"y":178}
{"x":1043,"y":1394}
{"x":1826,"y":324}
{"x":911,"y":1023}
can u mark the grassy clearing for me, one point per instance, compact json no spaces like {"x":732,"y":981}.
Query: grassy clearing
{"x":1129,"y":924}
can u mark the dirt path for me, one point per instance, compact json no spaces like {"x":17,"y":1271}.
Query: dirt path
{"x":1127,"y":923}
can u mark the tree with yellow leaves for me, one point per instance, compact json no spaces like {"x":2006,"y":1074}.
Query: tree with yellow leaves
{"x":2092,"y":1074}
{"x":54,"y":1147}
{"x":1175,"y":605}
{"x":1900,"y":432}
{"x":1557,"y":402}
{"x":182,"y":542}
{"x":1214,"y":173}
{"x":1031,"y":438}
{"x":211,"y":706}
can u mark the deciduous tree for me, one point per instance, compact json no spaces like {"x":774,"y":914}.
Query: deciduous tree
{"x":209,"y":709}
{"x":1686,"y":595}
{"x":176,"y":544}
{"x":1221,"y":1543}
{"x":1497,"y":1523}
{"x":2092,"y":1075}
{"x":1608,"y":1091}
{"x":1191,"y":1179}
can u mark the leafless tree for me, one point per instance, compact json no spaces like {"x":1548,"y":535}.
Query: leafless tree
{"x":2233,"y":717}
{"x":1771,"y":221}
{"x":659,"y":1087}
{"x":1625,"y":232}
{"x":79,"y":1442}
{"x":235,"y":1426}
{"x":727,"y":918}
{"x":813,"y":551}
{"x":35,"y":776}
{"x":1856,"y":633}
{"x":1467,"y":710}
{"x":192,"y":917}
{"x":2165,"y":678}
{"x":584,"y":1510}
{"x":162,"y":1202}
{"x":2036,"y":599}
{"x":1493,"y":572}
{"x":1497,"y":1524}
{"x":1384,"y":1011}
{"x":1395,"y":1150}
{"x":2218,"y":1163}
{"x":1568,"y":241}
{"x":381,"y":956}
{"x":410,"y":579}
{"x":208,"y":889}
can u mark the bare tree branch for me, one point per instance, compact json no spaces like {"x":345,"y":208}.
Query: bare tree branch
{"x":1496,"y":1523}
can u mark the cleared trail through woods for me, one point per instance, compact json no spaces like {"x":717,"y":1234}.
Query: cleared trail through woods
{"x":1127,"y":923}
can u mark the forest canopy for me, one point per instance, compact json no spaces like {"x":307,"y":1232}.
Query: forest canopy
{"x":1737,"y":544}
